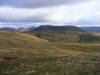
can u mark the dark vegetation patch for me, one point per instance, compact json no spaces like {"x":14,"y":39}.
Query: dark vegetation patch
{"x":10,"y":58}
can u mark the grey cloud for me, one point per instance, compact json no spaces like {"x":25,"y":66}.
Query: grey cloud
{"x":37,"y":3}
{"x":92,"y":21}
{"x":25,"y":16}
{"x":29,"y":19}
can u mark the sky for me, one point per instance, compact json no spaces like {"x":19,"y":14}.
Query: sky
{"x":26,"y":13}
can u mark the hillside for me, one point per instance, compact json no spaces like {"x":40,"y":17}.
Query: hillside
{"x":89,"y":38}
{"x":18,"y":41}
{"x":21,"y":42}
{"x":54,"y":36}
{"x":21,"y":30}
{"x":8,"y":29}
{"x":95,"y":33}
{"x":25,"y":54}
{"x":91,"y":29}
{"x":58,"y":33}
{"x":57,"y":28}
{"x":64,"y":34}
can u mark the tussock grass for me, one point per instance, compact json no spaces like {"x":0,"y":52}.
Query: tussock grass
{"x":25,"y":54}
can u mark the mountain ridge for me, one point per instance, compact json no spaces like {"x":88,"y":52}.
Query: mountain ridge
{"x":91,"y":29}
{"x":57,"y":28}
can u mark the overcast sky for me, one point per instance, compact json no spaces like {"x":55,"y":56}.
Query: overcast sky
{"x":57,"y":12}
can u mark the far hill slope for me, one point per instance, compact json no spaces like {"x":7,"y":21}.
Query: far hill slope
{"x":54,"y":36}
{"x":21,"y":30}
{"x":91,"y":29}
{"x":64,"y":34}
{"x":57,"y":28}
{"x":8,"y":29}
{"x":58,"y":33}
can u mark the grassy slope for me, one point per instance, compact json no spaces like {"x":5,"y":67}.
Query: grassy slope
{"x":16,"y":41}
{"x":96,"y":34}
{"x":53,"y":36}
{"x":20,"y":42}
{"x":68,"y":36}
{"x":39,"y":57}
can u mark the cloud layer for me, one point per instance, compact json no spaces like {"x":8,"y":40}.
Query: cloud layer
{"x":38,"y":3}
{"x":72,"y":12}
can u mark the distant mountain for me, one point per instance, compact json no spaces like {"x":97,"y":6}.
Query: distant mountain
{"x":57,"y":28}
{"x":58,"y":33}
{"x":91,"y":29}
{"x":64,"y":34}
{"x":21,"y":30}
{"x":31,"y":28}
{"x":8,"y":29}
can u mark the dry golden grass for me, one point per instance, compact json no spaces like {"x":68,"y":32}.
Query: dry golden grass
{"x":24,"y":54}
{"x":96,"y":34}
{"x":21,"y":43}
